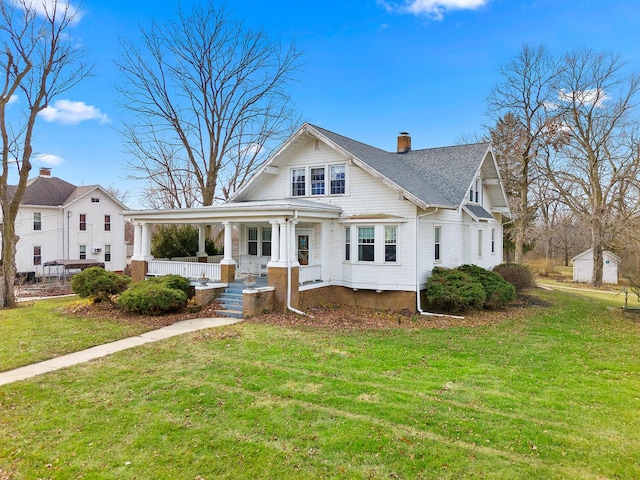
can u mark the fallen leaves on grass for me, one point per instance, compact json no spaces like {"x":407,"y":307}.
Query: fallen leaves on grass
{"x":361,"y":318}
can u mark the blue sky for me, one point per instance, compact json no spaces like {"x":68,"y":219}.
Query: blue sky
{"x":371,"y":68}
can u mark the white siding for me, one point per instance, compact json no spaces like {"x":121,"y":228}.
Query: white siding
{"x":60,"y":236}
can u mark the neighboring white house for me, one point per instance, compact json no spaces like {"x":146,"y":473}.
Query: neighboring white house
{"x":583,"y":267}
{"x":352,"y":220}
{"x":60,"y":221}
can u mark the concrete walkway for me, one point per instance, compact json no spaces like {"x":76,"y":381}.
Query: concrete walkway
{"x":57,"y":363}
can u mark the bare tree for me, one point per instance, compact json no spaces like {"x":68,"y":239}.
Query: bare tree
{"x":596,"y":170}
{"x":519,"y":103}
{"x":208,"y":98}
{"x":38,"y":62}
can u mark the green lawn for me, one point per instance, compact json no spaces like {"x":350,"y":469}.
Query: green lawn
{"x":37,"y":331}
{"x":555,"y":395}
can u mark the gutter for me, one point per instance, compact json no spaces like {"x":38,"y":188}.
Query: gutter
{"x":418,"y":301}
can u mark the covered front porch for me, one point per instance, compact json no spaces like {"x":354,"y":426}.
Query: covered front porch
{"x":282,"y":241}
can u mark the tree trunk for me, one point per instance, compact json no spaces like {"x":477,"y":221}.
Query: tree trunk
{"x":8,"y":270}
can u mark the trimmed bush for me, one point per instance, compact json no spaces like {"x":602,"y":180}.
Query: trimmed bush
{"x":499,"y":292}
{"x":98,"y":284}
{"x":454,"y":291}
{"x":172,"y":281}
{"x":152,"y":298}
{"x":518,"y":275}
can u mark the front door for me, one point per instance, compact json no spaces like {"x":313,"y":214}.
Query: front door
{"x":303,"y":249}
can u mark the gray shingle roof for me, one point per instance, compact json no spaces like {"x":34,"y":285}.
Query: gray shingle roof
{"x":50,"y":191}
{"x":437,"y":176}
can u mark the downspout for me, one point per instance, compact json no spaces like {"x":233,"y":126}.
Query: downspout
{"x":288,"y":236}
{"x":418,"y":301}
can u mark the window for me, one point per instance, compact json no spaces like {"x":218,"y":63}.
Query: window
{"x":83,"y":252}
{"x":390,"y":244}
{"x":436,"y":243}
{"x":474,"y":192}
{"x":37,"y":255}
{"x":37,"y":221}
{"x":83,"y":222}
{"x":298,"y":181}
{"x":480,"y":238}
{"x":317,"y":181}
{"x":366,"y":244}
{"x":107,"y":223}
{"x":347,"y":243}
{"x":252,"y":241}
{"x":337,"y":179}
{"x":493,"y":240}
{"x":107,"y":253}
{"x":95,"y":200}
{"x":266,"y":242}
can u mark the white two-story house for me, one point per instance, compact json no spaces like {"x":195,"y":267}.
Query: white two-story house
{"x":329,"y":219}
{"x":60,"y":221}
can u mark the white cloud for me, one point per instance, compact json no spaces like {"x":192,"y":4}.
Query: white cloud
{"x":72,"y":113}
{"x":433,"y":8}
{"x":14,"y":99}
{"x":44,"y":7}
{"x":48,"y":159}
{"x":595,"y":96}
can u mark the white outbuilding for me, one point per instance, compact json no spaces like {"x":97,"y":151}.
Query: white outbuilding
{"x":583,"y":267}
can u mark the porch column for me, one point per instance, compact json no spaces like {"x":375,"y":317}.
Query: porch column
{"x":228,"y":264}
{"x":284,"y":238}
{"x":275,"y":241}
{"x":137,"y":241}
{"x":293,"y":258}
{"x":202,"y":254}
{"x":146,"y":242}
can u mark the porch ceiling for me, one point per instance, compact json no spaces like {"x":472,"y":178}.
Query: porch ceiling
{"x":263,"y":210}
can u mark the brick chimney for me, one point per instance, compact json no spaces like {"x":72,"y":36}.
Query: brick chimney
{"x":404,"y":142}
{"x":45,"y":172}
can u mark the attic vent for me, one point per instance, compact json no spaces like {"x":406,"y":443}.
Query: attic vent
{"x":95,"y":200}
{"x":316,"y":145}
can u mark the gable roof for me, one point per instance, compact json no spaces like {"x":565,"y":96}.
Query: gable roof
{"x":433,"y":177}
{"x":55,"y":192}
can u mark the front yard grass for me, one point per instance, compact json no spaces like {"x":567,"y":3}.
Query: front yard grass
{"x":552,"y":395}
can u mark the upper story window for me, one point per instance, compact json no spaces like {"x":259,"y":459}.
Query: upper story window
{"x":298,"y":182}
{"x":95,"y":200}
{"x":107,"y":223}
{"x":318,"y":180}
{"x":475,"y":193}
{"x":83,"y":222}
{"x":337,"y":179}
{"x":37,"y":221}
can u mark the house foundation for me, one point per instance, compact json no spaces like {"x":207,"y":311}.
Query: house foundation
{"x":278,"y":278}
{"x":337,"y":295}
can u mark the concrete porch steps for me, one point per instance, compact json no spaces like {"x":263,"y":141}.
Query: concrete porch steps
{"x":231,"y":299}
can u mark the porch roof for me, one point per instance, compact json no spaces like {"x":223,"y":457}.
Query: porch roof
{"x":262,"y":210}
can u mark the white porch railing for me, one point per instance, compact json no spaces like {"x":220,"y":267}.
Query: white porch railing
{"x":185,"y":269}
{"x":210,"y":259}
{"x":310,"y":273}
